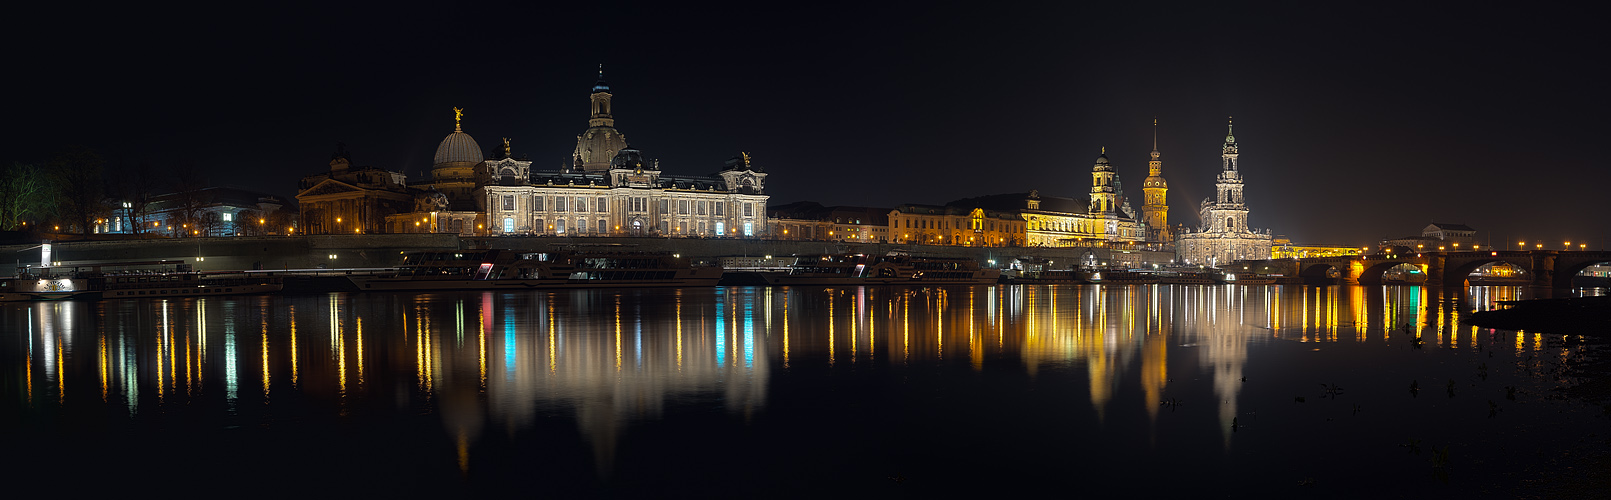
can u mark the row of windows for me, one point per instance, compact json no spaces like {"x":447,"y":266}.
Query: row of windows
{"x":635,"y":204}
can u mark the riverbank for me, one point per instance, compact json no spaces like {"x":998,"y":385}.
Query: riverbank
{"x":1577,"y":316}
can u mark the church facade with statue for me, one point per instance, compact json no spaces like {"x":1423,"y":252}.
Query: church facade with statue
{"x":1224,"y":235}
{"x":609,"y":188}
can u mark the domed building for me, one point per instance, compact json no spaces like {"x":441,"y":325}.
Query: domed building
{"x":446,"y":203}
{"x":453,"y":167}
{"x":609,"y":189}
{"x":598,"y":145}
{"x":1224,"y":235}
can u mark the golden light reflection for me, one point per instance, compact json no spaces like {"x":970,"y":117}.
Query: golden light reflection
{"x":608,"y":376}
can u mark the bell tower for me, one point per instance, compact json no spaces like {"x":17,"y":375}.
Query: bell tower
{"x":1229,"y":213}
{"x":601,"y":103}
{"x":1155,"y":206}
{"x":1103,"y":194}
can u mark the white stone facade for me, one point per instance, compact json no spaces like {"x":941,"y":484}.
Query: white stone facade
{"x":1224,"y":235}
{"x":624,"y":202}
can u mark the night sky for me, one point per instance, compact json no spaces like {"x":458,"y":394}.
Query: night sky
{"x":1355,"y":123}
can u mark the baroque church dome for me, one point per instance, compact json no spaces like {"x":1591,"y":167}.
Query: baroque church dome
{"x":598,"y":146}
{"x":458,"y":147}
{"x":1102,"y":162}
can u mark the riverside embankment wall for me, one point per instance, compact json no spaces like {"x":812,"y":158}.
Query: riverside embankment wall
{"x":301,"y":252}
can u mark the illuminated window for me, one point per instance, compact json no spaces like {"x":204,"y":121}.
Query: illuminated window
{"x":559,"y":225}
{"x":749,"y":229}
{"x":228,"y":217}
{"x":720,"y":227}
{"x":509,"y":222}
{"x":508,"y":202}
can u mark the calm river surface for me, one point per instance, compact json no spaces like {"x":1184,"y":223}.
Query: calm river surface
{"x":752,"y":392}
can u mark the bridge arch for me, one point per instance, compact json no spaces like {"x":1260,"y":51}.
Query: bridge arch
{"x":1456,"y":272}
{"x":1321,"y":273}
{"x":1372,"y":272}
{"x":1568,"y":269}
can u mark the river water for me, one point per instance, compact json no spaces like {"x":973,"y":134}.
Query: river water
{"x":1143,"y":390}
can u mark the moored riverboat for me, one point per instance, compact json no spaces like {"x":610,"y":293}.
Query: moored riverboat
{"x":26,"y":286}
{"x":1124,"y":277}
{"x":1190,"y":278}
{"x":895,"y":268}
{"x":1053,"y":277}
{"x":509,"y":270}
{"x":1249,"y":279}
{"x":163,"y":279}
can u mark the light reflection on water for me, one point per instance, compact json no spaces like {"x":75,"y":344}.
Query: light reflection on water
{"x":495,"y":368}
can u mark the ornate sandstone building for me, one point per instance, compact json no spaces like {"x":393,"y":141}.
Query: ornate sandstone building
{"x":1155,"y":204}
{"x":609,"y":189}
{"x":1224,"y":235}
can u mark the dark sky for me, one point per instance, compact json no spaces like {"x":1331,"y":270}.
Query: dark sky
{"x":1355,"y":123}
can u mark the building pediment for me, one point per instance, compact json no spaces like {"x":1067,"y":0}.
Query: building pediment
{"x":329,"y":187}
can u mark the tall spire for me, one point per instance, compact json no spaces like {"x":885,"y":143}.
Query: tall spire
{"x":1230,"y":130}
{"x":600,"y":86}
{"x":1154,"y":134}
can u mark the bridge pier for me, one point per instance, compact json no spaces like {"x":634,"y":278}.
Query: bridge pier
{"x":1543,"y":269}
{"x":1434,"y":271}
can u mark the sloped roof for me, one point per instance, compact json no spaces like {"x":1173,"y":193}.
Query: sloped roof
{"x":1452,"y":227}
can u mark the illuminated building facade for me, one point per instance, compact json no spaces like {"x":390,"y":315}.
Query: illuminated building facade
{"x":610,"y":189}
{"x":1224,"y":235}
{"x":349,"y":200}
{"x":1434,"y":235}
{"x":1155,"y":204}
{"x":1282,"y":248}
{"x":1028,"y":219}
{"x":810,"y":221}
{"x":956,"y":223}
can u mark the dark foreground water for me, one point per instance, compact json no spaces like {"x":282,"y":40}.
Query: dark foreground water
{"x":1152,"y":391}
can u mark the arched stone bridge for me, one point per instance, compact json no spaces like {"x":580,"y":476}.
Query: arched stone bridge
{"x":1548,"y":268}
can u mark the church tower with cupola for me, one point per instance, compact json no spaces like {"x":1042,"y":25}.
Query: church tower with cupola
{"x":1103,"y":193}
{"x":1229,"y":211}
{"x":1155,"y":206}
{"x":1224,"y":235}
{"x":597,"y":146}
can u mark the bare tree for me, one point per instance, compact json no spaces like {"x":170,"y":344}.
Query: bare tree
{"x":25,"y":194}
{"x":81,"y":193}
{"x":136,"y":187}
{"x":190,"y":198}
